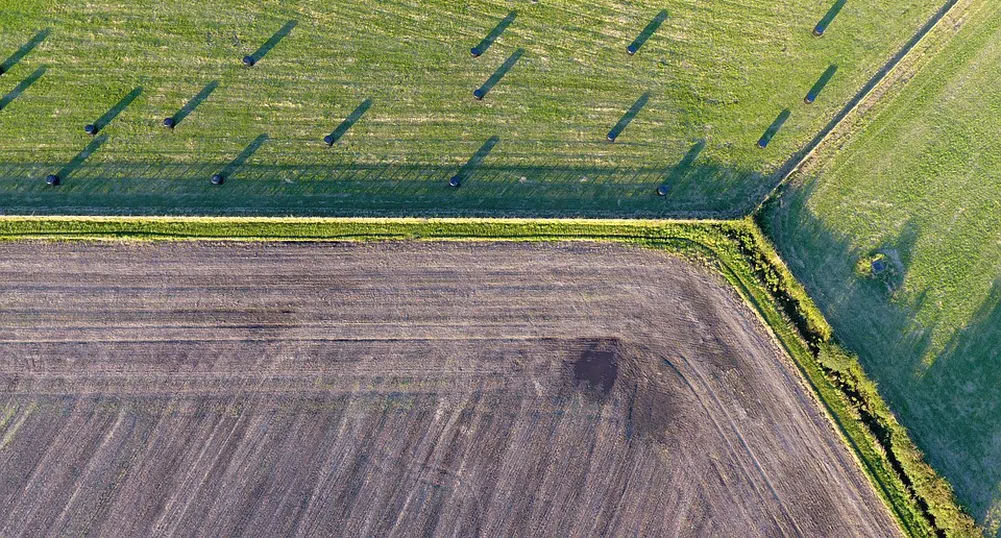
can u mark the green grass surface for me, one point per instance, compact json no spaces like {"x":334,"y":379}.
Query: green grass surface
{"x":919,"y":184}
{"x":715,"y":71}
{"x":737,"y":249}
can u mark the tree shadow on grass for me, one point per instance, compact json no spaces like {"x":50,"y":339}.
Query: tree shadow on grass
{"x":967,"y":378}
{"x":947,"y":398}
{"x":25,"y":49}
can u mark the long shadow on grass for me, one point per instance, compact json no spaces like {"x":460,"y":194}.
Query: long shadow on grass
{"x":193,"y":103}
{"x":647,"y":32}
{"x":821,"y":83}
{"x":346,"y":186}
{"x":828,"y":18}
{"x":114,"y":111}
{"x":484,"y":45}
{"x":235,"y":165}
{"x":20,"y":53}
{"x":21,"y":87}
{"x":77,"y":161}
{"x":774,"y":128}
{"x":474,"y":162}
{"x":508,"y":64}
{"x":348,"y":122}
{"x":273,"y":41}
{"x":679,"y":172}
{"x":628,"y":117}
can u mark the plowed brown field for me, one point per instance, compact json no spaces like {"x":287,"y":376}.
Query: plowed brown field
{"x":402,"y":389}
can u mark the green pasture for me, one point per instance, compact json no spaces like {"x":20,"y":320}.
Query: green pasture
{"x":717,"y":74}
{"x":920,"y":187}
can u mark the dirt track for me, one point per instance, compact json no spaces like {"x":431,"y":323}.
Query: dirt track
{"x":401,"y":390}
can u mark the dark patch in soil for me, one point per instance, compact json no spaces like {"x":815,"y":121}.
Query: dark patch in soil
{"x":598,"y":366}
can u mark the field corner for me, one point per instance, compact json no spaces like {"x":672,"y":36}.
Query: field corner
{"x":919,"y":499}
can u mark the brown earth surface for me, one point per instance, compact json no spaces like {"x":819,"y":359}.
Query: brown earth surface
{"x":402,"y":389}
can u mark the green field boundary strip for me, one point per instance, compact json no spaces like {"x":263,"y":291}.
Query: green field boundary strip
{"x":921,"y":501}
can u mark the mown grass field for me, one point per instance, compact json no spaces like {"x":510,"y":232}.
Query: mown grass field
{"x":717,"y":75}
{"x":919,"y":184}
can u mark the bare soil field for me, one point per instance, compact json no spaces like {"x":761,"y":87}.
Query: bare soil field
{"x":402,"y":389}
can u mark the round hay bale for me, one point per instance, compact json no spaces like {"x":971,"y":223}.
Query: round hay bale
{"x":52,"y":180}
{"x":217,"y":179}
{"x":455,"y":181}
{"x":478,"y":94}
{"x":662,"y":190}
{"x":476,"y":52}
{"x":168,"y":123}
{"x":631,"y":49}
{"x":90,"y":129}
{"x":329,"y":140}
{"x":249,"y":61}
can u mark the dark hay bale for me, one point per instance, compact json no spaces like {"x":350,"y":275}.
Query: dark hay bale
{"x":168,"y":123}
{"x":249,"y":61}
{"x":455,"y":181}
{"x":52,"y":180}
{"x":217,"y":179}
{"x":90,"y":129}
{"x":662,"y":190}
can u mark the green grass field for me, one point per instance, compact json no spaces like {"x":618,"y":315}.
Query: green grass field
{"x":718,"y":72}
{"x":920,"y":185}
